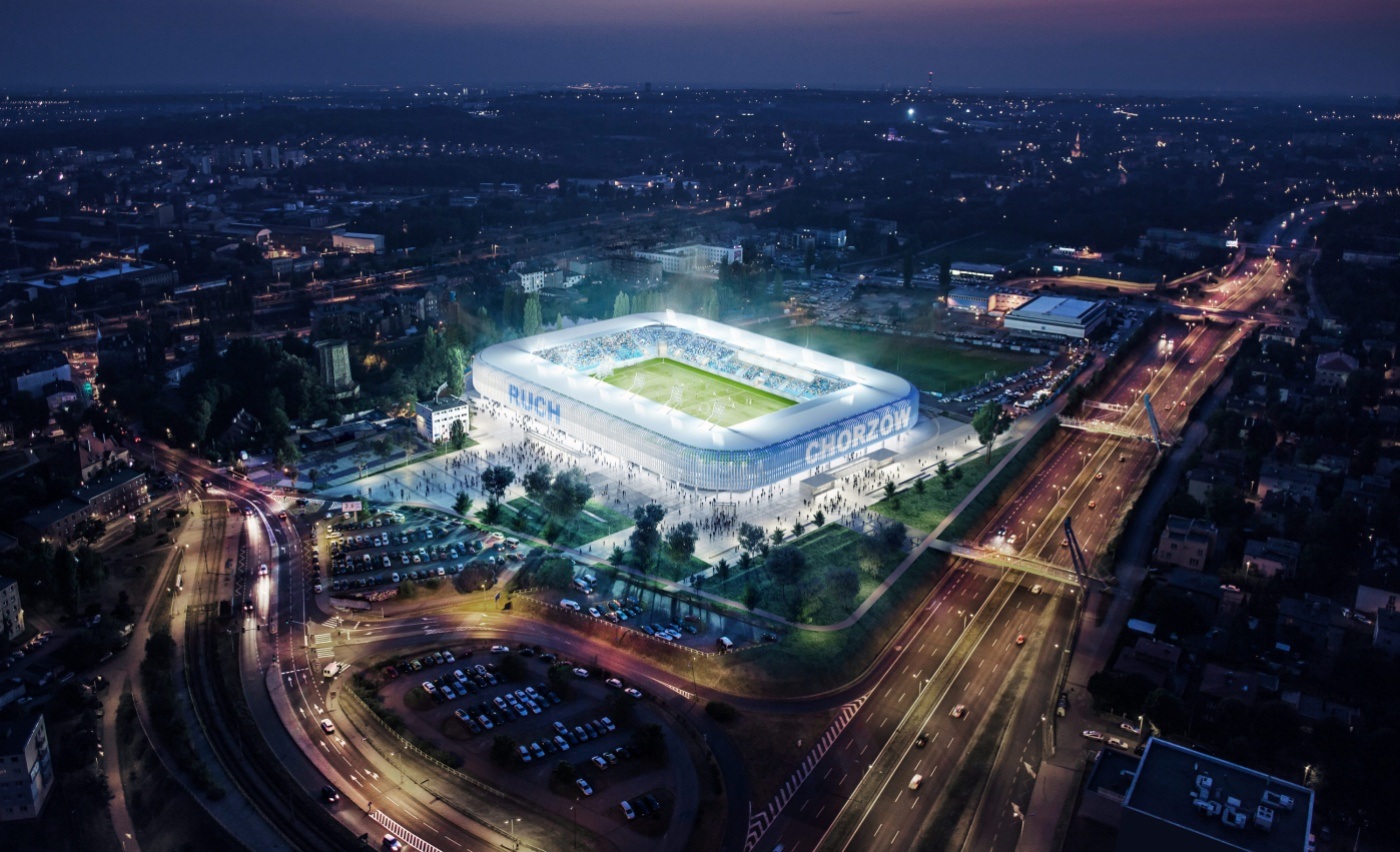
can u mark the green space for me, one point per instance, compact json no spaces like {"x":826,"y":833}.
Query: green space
{"x":840,"y":569}
{"x":696,"y":392}
{"x":931,"y":365}
{"x":812,"y":660}
{"x":925,"y":511}
{"x":530,"y":518}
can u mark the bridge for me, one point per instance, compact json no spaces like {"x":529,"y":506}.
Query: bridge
{"x":1025,"y":564}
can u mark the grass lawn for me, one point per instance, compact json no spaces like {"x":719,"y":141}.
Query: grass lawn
{"x":810,"y":661}
{"x":696,"y":392}
{"x":829,"y":549}
{"x":931,"y":365}
{"x":769,"y":742}
{"x":927,"y":510}
{"x":595,"y":521}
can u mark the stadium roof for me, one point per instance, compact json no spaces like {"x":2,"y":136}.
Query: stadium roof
{"x":870,"y":389}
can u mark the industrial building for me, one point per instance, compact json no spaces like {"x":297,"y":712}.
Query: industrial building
{"x":1060,"y":316}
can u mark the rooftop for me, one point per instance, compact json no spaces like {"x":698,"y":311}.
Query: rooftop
{"x":1171,"y":778}
{"x":869,"y":389}
{"x":1059,"y":307}
{"x":443,"y":403}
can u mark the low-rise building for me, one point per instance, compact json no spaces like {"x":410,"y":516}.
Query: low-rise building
{"x":435,"y":417}
{"x":1271,"y":557}
{"x":1333,"y":369}
{"x":26,"y":767}
{"x":1301,"y":484}
{"x":1186,"y":543}
{"x":358,"y":243}
{"x":1378,"y":587}
{"x":117,"y":494}
{"x":1059,"y":316}
{"x":1180,"y":798}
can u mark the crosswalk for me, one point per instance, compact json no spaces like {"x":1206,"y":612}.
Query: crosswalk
{"x":331,"y":623}
{"x":405,"y":836}
{"x":759,"y":822}
{"x":677,"y":690}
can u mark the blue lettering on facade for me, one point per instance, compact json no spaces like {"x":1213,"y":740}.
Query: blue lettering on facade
{"x":856,"y":435}
{"x":537,"y":404}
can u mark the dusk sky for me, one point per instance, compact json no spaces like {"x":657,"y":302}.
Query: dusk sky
{"x":1273,"y":46}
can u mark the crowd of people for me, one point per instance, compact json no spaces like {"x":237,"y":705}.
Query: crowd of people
{"x":609,"y":351}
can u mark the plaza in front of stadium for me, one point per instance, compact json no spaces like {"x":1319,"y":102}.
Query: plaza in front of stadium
{"x":708,"y":420}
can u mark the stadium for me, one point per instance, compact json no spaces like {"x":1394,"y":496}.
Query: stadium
{"x":697,"y":402}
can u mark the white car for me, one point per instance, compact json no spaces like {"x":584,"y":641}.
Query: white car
{"x":1117,"y":743}
{"x":627,"y":809}
{"x":613,"y":682}
{"x":584,"y":787}
{"x":1130,"y":728}
{"x":580,"y":672}
{"x":328,"y":726}
{"x":959,"y":711}
{"x":1093,"y":735}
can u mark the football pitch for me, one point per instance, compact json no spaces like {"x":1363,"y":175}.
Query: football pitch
{"x":696,"y":392}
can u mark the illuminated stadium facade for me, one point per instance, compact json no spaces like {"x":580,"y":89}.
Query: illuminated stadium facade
{"x":834,"y":407}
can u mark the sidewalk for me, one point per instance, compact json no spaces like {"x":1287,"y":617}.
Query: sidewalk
{"x":1058,"y":775}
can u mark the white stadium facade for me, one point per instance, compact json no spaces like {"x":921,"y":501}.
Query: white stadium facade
{"x":839,"y":407}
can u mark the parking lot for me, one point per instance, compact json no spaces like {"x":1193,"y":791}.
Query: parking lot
{"x":397,"y":546}
{"x":552,"y":710}
{"x":663,"y":617}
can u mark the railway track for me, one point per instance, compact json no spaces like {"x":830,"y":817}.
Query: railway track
{"x":227,"y":723}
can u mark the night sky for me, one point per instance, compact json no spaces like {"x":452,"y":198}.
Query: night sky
{"x":1270,"y":46}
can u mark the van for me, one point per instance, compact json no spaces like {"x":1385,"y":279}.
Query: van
{"x":512,"y":543}
{"x":568,"y":604}
{"x":726,"y":643}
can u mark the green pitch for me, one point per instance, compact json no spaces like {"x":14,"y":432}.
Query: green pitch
{"x":696,"y":392}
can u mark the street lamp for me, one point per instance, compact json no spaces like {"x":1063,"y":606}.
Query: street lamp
{"x":515,"y":841}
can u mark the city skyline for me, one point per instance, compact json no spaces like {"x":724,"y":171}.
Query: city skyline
{"x":1252,"y":46}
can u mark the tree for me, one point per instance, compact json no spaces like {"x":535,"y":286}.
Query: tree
{"x":91,"y":568}
{"x":989,"y":422}
{"x":786,"y":564}
{"x":745,"y":561}
{"x":458,"y":435}
{"x":722,"y":569}
{"x":750,"y":537}
{"x":908,"y":266}
{"x":568,"y":494}
{"x":843,"y":584}
{"x":646,"y":537}
{"x":680,"y":542}
{"x":890,"y":536}
{"x":617,"y":556}
{"x":797,"y":529}
{"x":463,"y":504}
{"x":1165,"y":711}
{"x":889,"y":489}
{"x":809,"y":258}
{"x":819,"y":518}
{"x":650,"y":741}
{"x":503,"y":750}
{"x":622,"y":305}
{"x":778,"y":534}
{"x":536,"y":482}
{"x":407,"y":589}
{"x":496,"y":479}
{"x":919,"y":486}
{"x":530,"y":324}
{"x":160,"y":649}
{"x":564,"y":772}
